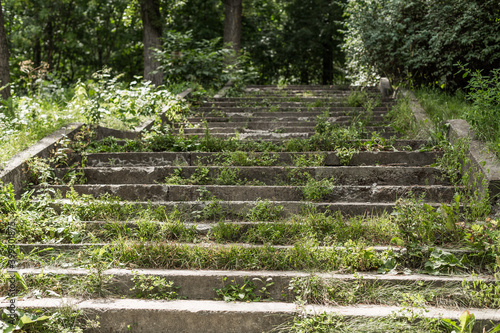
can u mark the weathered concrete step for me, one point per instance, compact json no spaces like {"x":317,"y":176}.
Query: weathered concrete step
{"x":145,"y":316}
{"x":298,"y":87}
{"x":281,"y":109}
{"x":271,"y":118}
{"x":58,"y":247}
{"x":268,"y":175}
{"x":230,"y":193}
{"x":272,"y":125}
{"x":257,"y":99}
{"x":399,"y":158}
{"x":240,"y":209}
{"x":264,"y":103}
{"x":247,"y":125}
{"x":201,"y":284}
{"x":301,"y":114}
{"x":303,"y":134}
{"x":271,"y":128}
{"x":244,"y":129}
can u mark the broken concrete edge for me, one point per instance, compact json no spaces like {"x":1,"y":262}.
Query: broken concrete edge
{"x":224,"y":89}
{"x":14,"y":171}
{"x":483,"y":162}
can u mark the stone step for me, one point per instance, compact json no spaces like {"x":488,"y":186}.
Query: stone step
{"x":230,"y":193}
{"x":201,"y":284}
{"x":268,"y":175}
{"x":264,"y":129}
{"x":239,"y":209}
{"x":303,"y":134}
{"x":344,"y":120}
{"x":395,"y":158}
{"x":191,"y":316}
{"x":291,"y":109}
{"x":53,"y":248}
{"x":264,"y":103}
{"x":339,"y":98}
{"x":257,"y":87}
{"x":251,"y":125}
{"x":301,"y":114}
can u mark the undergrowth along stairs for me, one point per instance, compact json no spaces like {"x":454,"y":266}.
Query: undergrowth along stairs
{"x":285,"y":193}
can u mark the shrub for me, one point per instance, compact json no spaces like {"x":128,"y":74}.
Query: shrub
{"x":420,"y":39}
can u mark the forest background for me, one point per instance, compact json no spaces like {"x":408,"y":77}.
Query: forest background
{"x":85,"y":60}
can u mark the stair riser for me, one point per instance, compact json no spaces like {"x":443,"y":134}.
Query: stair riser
{"x":171,"y":158}
{"x":244,"y":193}
{"x":269,"y":175}
{"x":239,"y":209}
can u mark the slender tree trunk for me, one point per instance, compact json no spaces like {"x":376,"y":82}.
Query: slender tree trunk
{"x":151,"y":34}
{"x":232,"y":23}
{"x":327,"y":77}
{"x":4,"y":59}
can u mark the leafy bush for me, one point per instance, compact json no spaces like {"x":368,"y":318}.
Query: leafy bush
{"x":422,"y":40}
{"x":484,"y":93}
{"x":204,"y":62}
{"x":106,"y":95}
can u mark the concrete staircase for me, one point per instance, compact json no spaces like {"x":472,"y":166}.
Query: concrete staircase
{"x":367,"y":186}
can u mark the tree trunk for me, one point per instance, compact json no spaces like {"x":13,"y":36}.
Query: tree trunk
{"x":232,"y":23}
{"x":4,"y":59}
{"x":151,"y":34}
{"x":327,"y":77}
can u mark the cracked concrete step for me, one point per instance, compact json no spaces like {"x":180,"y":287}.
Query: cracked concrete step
{"x":268,"y":175}
{"x":230,"y":193}
{"x":242,"y":129}
{"x":247,"y":125}
{"x":238,"y":209}
{"x":397,"y":158}
{"x":277,"y":104}
{"x":278,"y":119}
{"x":306,"y":111}
{"x":266,"y":135}
{"x":186,"y":316}
{"x":201,"y":284}
{"x":301,"y":114}
{"x":58,"y":247}
{"x":299,"y":87}
{"x":271,"y":125}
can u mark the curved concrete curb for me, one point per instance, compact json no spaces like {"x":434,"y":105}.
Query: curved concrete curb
{"x":15,"y":169}
{"x":482,"y":160}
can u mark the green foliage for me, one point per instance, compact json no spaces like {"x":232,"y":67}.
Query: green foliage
{"x":483,"y":293}
{"x":316,"y":190}
{"x":484,"y":93}
{"x":185,"y":59}
{"x":75,"y":38}
{"x":105,"y":95}
{"x":153,"y":287}
{"x":247,"y":292}
{"x":23,"y":319}
{"x":265,"y":210}
{"x":420,"y":223}
{"x":421,"y":41}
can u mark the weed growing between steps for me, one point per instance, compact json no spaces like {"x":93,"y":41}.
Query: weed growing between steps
{"x":247,"y":292}
{"x":154,"y":287}
{"x":338,"y":292}
{"x":65,"y":320}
